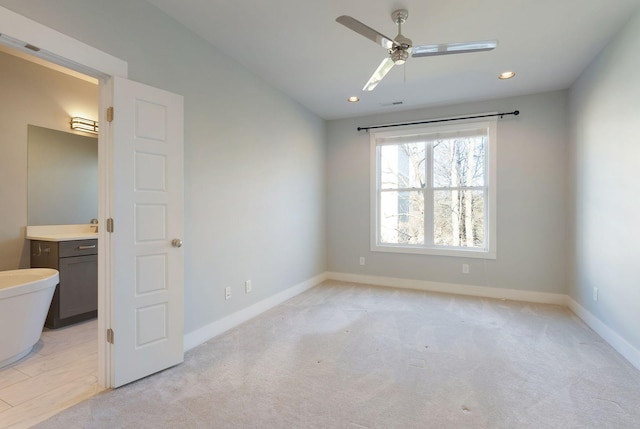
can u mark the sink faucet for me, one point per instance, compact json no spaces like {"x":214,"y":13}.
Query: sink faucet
{"x":94,"y":223}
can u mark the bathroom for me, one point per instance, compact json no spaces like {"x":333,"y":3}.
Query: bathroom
{"x":42,"y":101}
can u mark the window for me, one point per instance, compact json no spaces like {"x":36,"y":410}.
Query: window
{"x":433,"y":190}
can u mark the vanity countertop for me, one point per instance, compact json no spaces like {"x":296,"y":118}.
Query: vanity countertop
{"x":61,"y":232}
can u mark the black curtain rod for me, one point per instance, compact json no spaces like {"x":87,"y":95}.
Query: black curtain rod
{"x":431,"y":121}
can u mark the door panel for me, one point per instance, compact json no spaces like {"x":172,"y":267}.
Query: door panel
{"x":147,"y":294}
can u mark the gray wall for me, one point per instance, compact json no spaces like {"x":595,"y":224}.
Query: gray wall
{"x":531,"y":195}
{"x":255,"y":165}
{"x":31,"y":94}
{"x":606,"y":159}
{"x":254,"y":159}
{"x":63,"y":177}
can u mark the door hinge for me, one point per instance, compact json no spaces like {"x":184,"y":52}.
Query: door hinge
{"x":110,"y":336}
{"x":109,"y":114}
{"x":109,"y":224}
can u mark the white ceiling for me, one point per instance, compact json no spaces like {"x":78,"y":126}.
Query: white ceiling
{"x":298,"y":47}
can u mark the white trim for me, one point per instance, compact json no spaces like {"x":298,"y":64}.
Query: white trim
{"x":428,"y":248}
{"x":374,"y":208}
{"x":218,"y":327}
{"x":106,"y":249}
{"x":204,"y":334}
{"x":16,"y":30}
{"x":621,"y":345}
{"x":460,"y":252}
{"x":28,"y":56}
{"x":452,"y":288}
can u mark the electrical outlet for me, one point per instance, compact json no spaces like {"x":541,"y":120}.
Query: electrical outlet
{"x":465,"y":268}
{"x":247,"y":286}
{"x":227,"y":293}
{"x":362,"y":260}
{"x":595,"y":293}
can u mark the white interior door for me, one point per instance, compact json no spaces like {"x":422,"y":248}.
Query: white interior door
{"x":147,"y":208}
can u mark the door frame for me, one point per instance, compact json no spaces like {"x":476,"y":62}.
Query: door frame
{"x":16,"y":31}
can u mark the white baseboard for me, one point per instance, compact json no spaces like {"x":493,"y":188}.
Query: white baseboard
{"x":218,"y":327}
{"x":456,"y":289}
{"x":201,"y":335}
{"x":621,"y":345}
{"x":610,"y":336}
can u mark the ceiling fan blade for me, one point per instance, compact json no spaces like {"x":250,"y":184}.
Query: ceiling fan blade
{"x":366,"y":31}
{"x":379,"y":74}
{"x":453,"y":48}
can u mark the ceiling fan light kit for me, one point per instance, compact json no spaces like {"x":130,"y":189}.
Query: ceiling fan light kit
{"x":399,"y":56}
{"x":400,"y":47}
{"x":506,"y":75}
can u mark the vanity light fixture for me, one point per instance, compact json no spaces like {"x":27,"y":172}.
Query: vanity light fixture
{"x":83,"y":124}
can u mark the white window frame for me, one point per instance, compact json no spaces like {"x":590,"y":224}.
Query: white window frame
{"x":489,"y":251}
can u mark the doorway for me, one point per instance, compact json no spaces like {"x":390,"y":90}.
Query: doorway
{"x":58,"y":49}
{"x":62,"y":368}
{"x":140,"y":151}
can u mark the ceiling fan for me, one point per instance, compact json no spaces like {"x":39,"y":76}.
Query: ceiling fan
{"x":400,"y":47}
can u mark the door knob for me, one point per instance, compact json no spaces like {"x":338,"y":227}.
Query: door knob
{"x":176,"y":242}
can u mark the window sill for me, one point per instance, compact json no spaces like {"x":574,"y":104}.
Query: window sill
{"x":436,"y":251}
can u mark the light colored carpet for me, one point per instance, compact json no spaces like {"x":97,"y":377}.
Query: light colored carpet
{"x":351,"y":356}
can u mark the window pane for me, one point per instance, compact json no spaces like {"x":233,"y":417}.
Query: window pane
{"x":459,"y":218}
{"x":402,"y":166}
{"x":402,"y":217}
{"x":459,"y":161}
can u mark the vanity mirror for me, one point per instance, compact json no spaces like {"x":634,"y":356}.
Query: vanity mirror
{"x":62,"y":177}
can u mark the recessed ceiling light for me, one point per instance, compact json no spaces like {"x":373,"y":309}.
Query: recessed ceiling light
{"x":353,"y":99}
{"x":506,"y":75}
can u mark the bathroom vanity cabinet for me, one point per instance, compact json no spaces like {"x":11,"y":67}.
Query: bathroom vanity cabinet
{"x":76,"y":297}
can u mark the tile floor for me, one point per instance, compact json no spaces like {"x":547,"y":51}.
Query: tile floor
{"x":60,"y":371}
